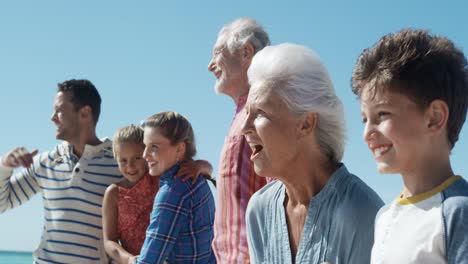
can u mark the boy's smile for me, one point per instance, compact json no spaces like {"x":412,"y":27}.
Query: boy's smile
{"x":379,"y":150}
{"x":395,"y":129}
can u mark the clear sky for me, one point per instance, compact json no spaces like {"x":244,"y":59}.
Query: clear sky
{"x":150,"y":56}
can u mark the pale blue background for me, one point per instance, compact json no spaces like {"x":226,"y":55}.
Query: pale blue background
{"x":150,"y":56}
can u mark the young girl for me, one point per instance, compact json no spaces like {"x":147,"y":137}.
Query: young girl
{"x":181,"y":226}
{"x":127,"y":205}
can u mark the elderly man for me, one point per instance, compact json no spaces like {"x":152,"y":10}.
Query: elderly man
{"x":71,"y":178}
{"x":317,"y":211}
{"x":235,"y":47}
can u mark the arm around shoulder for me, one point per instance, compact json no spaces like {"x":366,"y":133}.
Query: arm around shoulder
{"x":193,"y":169}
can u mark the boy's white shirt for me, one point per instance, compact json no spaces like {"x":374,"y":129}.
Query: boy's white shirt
{"x":412,"y":230}
{"x":409,"y":233}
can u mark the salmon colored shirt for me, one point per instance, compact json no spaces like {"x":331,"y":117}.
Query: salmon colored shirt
{"x":236,"y":183}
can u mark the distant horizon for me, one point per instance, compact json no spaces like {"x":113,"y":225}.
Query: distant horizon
{"x":16,"y":257}
{"x":17,"y":251}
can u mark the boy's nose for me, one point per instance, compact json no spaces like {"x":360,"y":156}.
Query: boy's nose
{"x":369,"y":132}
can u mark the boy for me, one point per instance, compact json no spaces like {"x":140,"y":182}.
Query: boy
{"x":413,"y":89}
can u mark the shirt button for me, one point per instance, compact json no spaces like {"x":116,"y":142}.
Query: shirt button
{"x":77,"y":170}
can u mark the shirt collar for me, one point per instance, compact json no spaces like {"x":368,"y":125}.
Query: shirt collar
{"x":170,"y":173}
{"x":105,"y":147}
{"x":333,"y":183}
{"x":241,"y":103}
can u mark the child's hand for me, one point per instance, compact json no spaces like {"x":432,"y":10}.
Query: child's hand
{"x":191,"y":170}
{"x":132,"y":259}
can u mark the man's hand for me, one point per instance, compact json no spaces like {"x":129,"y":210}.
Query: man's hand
{"x":19,"y":157}
{"x":191,"y":170}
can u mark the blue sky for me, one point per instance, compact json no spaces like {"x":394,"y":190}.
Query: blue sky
{"x":150,"y":56}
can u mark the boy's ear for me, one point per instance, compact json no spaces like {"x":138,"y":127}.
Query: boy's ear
{"x":438,"y":113}
{"x":308,"y":123}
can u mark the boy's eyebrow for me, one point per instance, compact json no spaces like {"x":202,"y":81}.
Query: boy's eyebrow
{"x":380,"y":102}
{"x":385,"y":103}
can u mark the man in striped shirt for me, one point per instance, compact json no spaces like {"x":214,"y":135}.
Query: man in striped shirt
{"x":235,"y":47}
{"x":71,"y":179}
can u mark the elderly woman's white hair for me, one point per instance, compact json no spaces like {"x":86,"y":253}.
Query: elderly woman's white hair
{"x":296,"y":74}
{"x":243,"y":30}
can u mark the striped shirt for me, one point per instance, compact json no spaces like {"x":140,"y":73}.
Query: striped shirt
{"x":236,"y":183}
{"x":72,"y":190}
{"x":181,"y":224}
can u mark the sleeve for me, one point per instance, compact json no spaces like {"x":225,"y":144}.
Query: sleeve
{"x":355,"y":220}
{"x":363,"y":240}
{"x":456,"y":225}
{"x":18,"y":188}
{"x":170,"y":213}
{"x":254,"y":231}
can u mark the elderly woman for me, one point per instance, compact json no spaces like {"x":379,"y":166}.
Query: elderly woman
{"x":316,"y":211}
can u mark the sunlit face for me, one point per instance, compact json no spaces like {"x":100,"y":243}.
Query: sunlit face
{"x":131,"y":162}
{"x":226,"y":67}
{"x":270,"y":129}
{"x":65,"y":117}
{"x":394,"y":131}
{"x":160,"y":154}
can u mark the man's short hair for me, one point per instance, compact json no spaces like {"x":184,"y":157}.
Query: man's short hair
{"x":83,"y":93}
{"x":243,"y":30}
{"x":421,"y":66}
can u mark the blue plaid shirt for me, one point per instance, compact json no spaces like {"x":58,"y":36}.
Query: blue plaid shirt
{"x":181,"y":224}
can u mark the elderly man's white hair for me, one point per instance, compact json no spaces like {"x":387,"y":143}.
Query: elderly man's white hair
{"x":296,"y":74}
{"x":243,"y":30}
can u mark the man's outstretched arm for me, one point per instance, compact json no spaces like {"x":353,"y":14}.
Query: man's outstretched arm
{"x":18,"y":188}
